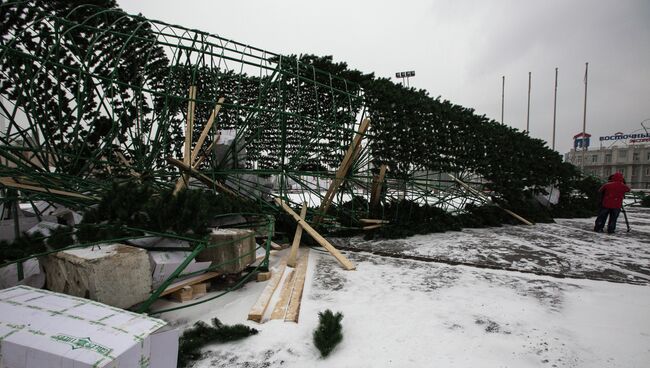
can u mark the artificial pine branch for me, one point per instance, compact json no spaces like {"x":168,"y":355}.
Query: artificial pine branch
{"x":201,"y":334}
{"x":328,"y":333}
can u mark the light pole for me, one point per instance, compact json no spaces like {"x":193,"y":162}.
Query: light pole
{"x":554,"y":107}
{"x":584,"y":121}
{"x":503,"y":91}
{"x":405,"y":75}
{"x":528,"y":111}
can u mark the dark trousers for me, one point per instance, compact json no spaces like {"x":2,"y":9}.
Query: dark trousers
{"x":603,"y":213}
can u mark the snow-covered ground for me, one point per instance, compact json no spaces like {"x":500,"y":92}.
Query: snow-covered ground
{"x":406,"y":307}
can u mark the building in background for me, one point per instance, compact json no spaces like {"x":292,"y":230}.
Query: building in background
{"x":628,"y":154}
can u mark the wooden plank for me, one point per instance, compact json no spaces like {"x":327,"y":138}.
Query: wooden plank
{"x":285,"y":295}
{"x":10,"y":182}
{"x":374,"y":221}
{"x":342,"y":170}
{"x":344,"y":167}
{"x":516,"y":216}
{"x":263,"y":276}
{"x":189,"y":127}
{"x":296,"y":238}
{"x":257,"y":311}
{"x":476,"y":192}
{"x":182,"y":295}
{"x":187,"y":147}
{"x":206,"y":129}
{"x":276,"y":246}
{"x":207,"y":152}
{"x":293,"y":311}
{"x":314,"y":234}
{"x":204,"y":179}
{"x":189,"y":282}
{"x":180,"y":181}
{"x":375,"y":196}
{"x":198,"y":290}
{"x":372,"y":227}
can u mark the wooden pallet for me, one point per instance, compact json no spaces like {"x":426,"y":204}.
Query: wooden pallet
{"x":189,"y":282}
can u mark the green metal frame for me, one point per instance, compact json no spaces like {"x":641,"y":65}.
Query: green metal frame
{"x":293,"y":122}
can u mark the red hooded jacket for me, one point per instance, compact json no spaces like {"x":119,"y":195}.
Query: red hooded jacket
{"x":614,"y":191}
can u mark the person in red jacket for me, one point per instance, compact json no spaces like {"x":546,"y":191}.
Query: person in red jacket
{"x":612,"y":194}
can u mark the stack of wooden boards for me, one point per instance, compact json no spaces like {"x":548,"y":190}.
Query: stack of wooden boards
{"x":188,"y":289}
{"x":288,"y":297}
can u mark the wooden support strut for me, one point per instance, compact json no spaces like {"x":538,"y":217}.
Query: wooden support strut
{"x":372,"y":227}
{"x":11,"y":183}
{"x":476,"y":192}
{"x":377,"y":184}
{"x":187,"y":148}
{"x":319,"y":238}
{"x":201,"y":158}
{"x":342,"y":171}
{"x":296,"y":238}
{"x":206,"y":129}
{"x":204,"y":179}
{"x":374,"y":221}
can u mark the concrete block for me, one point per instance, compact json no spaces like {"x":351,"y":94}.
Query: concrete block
{"x":234,"y":250}
{"x":117,"y":274}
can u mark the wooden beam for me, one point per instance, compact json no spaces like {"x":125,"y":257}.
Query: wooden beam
{"x":374,"y":221}
{"x":204,"y":179}
{"x":189,"y":282}
{"x":189,"y":127}
{"x":485,"y":197}
{"x":342,"y":171}
{"x":206,"y":130}
{"x":285,"y":295}
{"x":296,"y":238}
{"x":180,"y":182}
{"x":257,"y":311}
{"x":515,"y":215}
{"x":377,"y":184}
{"x":263,"y":276}
{"x":202,"y":158}
{"x":293,"y":311}
{"x":314,"y":234}
{"x":187,"y":148}
{"x":372,"y":227}
{"x":10,"y":182}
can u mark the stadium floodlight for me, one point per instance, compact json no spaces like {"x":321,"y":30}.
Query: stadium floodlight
{"x":405,"y":75}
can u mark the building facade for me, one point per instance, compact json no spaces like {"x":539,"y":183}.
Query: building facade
{"x":630,"y":158}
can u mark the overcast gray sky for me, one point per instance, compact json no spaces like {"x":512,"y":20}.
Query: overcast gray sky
{"x":460,"y":49}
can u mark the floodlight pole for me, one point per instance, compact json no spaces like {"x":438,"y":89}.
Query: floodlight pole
{"x":584,"y":121}
{"x":405,"y":75}
{"x":554,"y":108}
{"x":528,"y":111}
{"x":503,"y":88}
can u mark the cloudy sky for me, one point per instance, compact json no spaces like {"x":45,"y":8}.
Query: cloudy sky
{"x":461,"y":49}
